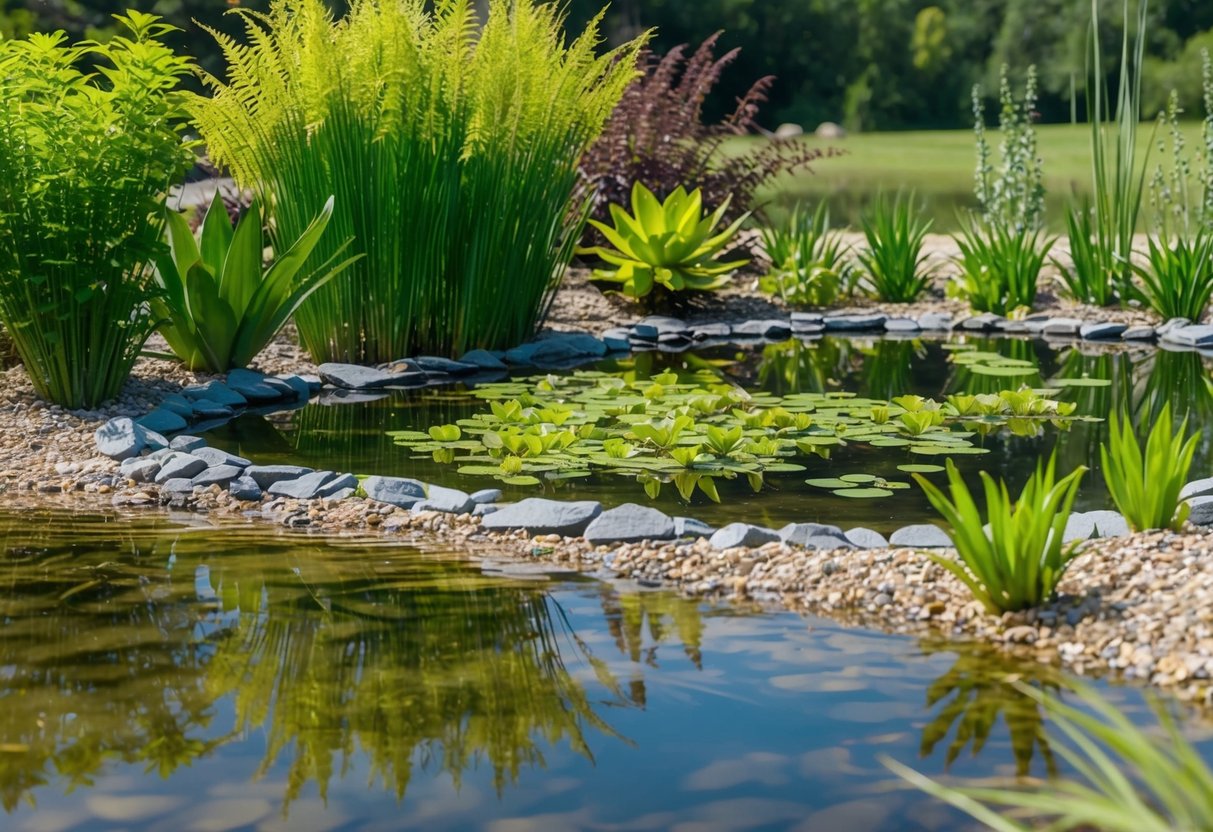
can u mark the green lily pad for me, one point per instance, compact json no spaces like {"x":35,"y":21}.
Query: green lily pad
{"x":920,"y":468}
{"x":863,"y":493}
{"x":828,"y":483}
{"x":858,"y":479}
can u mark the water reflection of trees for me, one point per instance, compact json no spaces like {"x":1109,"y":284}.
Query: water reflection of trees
{"x":120,"y":639}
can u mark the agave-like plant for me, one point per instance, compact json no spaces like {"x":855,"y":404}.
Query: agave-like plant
{"x":669,"y":244}
{"x":218,"y":306}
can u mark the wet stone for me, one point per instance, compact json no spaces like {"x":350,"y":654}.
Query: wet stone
{"x":483,"y":359}
{"x":140,"y":469}
{"x":177,"y":485}
{"x":300,"y":388}
{"x":1102,"y":331}
{"x":1139,"y":333}
{"x":437,"y":364}
{"x":985,"y":322}
{"x":486,"y":495}
{"x":542,"y":516}
{"x":662,"y":324}
{"x":340,"y":487}
{"x":186,"y":443}
{"x":396,"y":491}
{"x":244,"y":488}
{"x":215,"y":391}
{"x":207,"y":409}
{"x":162,"y":421}
{"x":254,"y":386}
{"x":920,"y":536}
{"x":1202,"y":511}
{"x":901,"y":325}
{"x":691,"y":527}
{"x":355,"y":377}
{"x":120,"y":438}
{"x":865,"y":538}
{"x":1199,"y":335}
{"x":178,"y":404}
{"x":616,"y":339}
{"x":446,"y":500}
{"x":267,"y":475}
{"x":742,"y":534}
{"x":180,"y":465}
{"x":1084,"y":525}
{"x":854,"y":323}
{"x":1197,"y":488}
{"x":221,"y":475}
{"x":214,"y":456}
{"x":1061,"y":327}
{"x":800,"y":534}
{"x":935,"y":321}
{"x":773,"y":328}
{"x":306,"y":487}
{"x":704,"y":331}
{"x":629,"y":523}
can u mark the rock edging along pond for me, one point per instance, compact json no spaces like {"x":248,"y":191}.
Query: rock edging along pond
{"x":184,"y":462}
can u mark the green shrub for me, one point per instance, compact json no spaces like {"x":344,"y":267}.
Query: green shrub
{"x":1101,"y":232}
{"x":85,"y":161}
{"x":1177,"y":282}
{"x":999,"y":266}
{"x":810,"y":264}
{"x":219,"y":305}
{"x":894,"y":262}
{"x":1135,"y":779}
{"x":451,"y":148}
{"x":668,"y":244}
{"x":1018,"y":562}
{"x":1145,"y":482}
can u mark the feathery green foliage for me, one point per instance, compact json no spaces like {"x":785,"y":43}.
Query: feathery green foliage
{"x":894,"y":260}
{"x":1101,"y":232}
{"x":85,"y":161}
{"x":670,"y":244}
{"x":451,"y":148}
{"x":1135,"y":781}
{"x":1017,"y":563}
{"x":1145,"y":482}
{"x":219,"y":306}
{"x":999,"y":265}
{"x":810,"y":264}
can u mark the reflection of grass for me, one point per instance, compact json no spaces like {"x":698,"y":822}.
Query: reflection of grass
{"x":976,"y":691}
{"x":799,"y":367}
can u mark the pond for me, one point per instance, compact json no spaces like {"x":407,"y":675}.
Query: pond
{"x":332,"y":433}
{"x":172,"y":675}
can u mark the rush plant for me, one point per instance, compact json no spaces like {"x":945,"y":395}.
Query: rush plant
{"x":1145,"y":481}
{"x":85,"y":162}
{"x":219,"y":305}
{"x":999,"y":265}
{"x":810,"y":263}
{"x":1013,"y":558}
{"x":669,"y":245}
{"x":451,"y":144}
{"x":895,"y":266}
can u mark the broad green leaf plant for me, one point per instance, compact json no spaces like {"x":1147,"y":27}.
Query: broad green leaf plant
{"x":1018,"y":561}
{"x":85,"y":162}
{"x":450,"y":140}
{"x":1145,"y":481}
{"x":219,"y":305}
{"x":668,"y":244}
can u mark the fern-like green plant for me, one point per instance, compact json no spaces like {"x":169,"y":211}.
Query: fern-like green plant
{"x":1145,"y":481}
{"x":1016,"y":562}
{"x":668,"y":244}
{"x":219,"y":306}
{"x":451,"y":148}
{"x":85,"y":162}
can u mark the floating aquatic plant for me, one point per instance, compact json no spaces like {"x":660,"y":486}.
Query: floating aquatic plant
{"x":692,"y":430}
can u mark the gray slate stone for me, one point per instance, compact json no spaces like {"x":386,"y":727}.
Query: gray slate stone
{"x":340,"y":487}
{"x":254,"y":386}
{"x":985,"y":322}
{"x":1139,"y":333}
{"x":629,"y":523}
{"x":186,"y":443}
{"x":483,"y":359}
{"x":396,"y":491}
{"x":799,"y":318}
{"x":307,"y":487}
{"x":180,"y":465}
{"x":1061,"y":327}
{"x":438,"y":364}
{"x":663,"y":324}
{"x":140,"y":469}
{"x":866,"y":538}
{"x":162,"y":421}
{"x":855,"y":323}
{"x":541,"y":516}
{"x":178,"y":404}
{"x":214,"y":456}
{"x":901,"y":325}
{"x":120,"y":438}
{"x":690,"y":527}
{"x":564,"y":346}
{"x":483,"y":509}
{"x":300,"y":387}
{"x":800,"y":533}
{"x":770,"y":328}
{"x":1084,"y":525}
{"x":644,"y":332}
{"x":221,"y":475}
{"x":742,"y":534}
{"x":215,"y":391}
{"x":447,"y":500}
{"x":935,"y":321}
{"x":355,"y":377}
{"x":486,"y":495}
{"x":154,"y":440}
{"x":1172,"y":324}
{"x":1197,"y":335}
{"x":702,"y":332}
{"x":1197,"y":488}
{"x":921,"y":536}
{"x":177,"y":485}
{"x":1102,"y":331}
{"x":267,"y":475}
{"x":1202,"y":511}
{"x":616,"y":339}
{"x":340,"y":493}
{"x":244,"y":488}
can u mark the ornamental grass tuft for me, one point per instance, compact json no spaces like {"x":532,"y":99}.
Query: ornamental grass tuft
{"x":1145,"y":480}
{"x":1018,"y":561}
{"x":85,"y":162}
{"x":451,"y":148}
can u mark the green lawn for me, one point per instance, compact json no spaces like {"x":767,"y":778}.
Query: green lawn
{"x":939,"y":166}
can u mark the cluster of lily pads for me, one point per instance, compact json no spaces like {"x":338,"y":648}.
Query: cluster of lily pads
{"x":693,"y":430}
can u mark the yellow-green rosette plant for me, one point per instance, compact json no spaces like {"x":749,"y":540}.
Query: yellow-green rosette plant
{"x":670,"y":244}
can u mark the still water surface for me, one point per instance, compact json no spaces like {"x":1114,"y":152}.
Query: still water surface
{"x":159,"y":675}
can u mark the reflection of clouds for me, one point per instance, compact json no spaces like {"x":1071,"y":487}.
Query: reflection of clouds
{"x":53,"y":820}
{"x":826,"y":763}
{"x":756,"y":767}
{"x":821,"y":682}
{"x":555,"y":822}
{"x":868,"y":713}
{"x":307,"y":815}
{"x":227,"y":815}
{"x":133,"y":807}
{"x":854,"y":815}
{"x":740,"y":814}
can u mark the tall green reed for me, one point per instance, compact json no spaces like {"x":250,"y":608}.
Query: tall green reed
{"x":1101,"y":230}
{"x":451,"y":148}
{"x":85,"y":162}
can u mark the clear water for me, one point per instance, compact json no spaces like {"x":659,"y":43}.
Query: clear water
{"x":352,"y":437}
{"x":163,"y":676}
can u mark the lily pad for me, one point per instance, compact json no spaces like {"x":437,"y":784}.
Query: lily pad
{"x":829,"y":483}
{"x":858,"y":479}
{"x":863,"y":493}
{"x":920,"y":468}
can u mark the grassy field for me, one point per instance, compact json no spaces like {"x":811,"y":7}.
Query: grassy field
{"x":938,"y":166}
